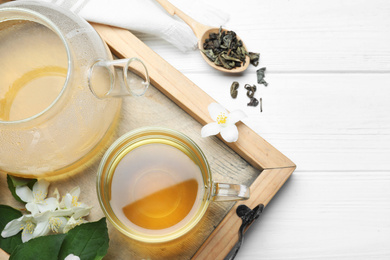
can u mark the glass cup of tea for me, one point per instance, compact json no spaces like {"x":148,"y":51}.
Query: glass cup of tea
{"x":154,"y":185}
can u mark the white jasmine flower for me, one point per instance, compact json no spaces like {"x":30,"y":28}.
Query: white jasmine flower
{"x":224,"y":123}
{"x":72,"y":257}
{"x":71,"y":201}
{"x":36,"y":198}
{"x":72,"y":222}
{"x":79,"y":212}
{"x":51,"y":220}
{"x":27,"y":223}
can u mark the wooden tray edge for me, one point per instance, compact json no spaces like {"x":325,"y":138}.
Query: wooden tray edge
{"x":222,"y":240}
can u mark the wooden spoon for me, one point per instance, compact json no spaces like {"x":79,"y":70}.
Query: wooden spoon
{"x":202,"y":32}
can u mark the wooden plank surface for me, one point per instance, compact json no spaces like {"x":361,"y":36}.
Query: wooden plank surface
{"x":335,"y":204}
{"x":323,"y":122}
{"x":295,"y":37}
{"x":324,"y":215}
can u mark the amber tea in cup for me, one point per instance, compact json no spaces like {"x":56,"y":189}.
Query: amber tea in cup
{"x":154,"y":185}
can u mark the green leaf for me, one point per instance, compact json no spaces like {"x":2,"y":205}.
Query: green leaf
{"x":18,"y":181}
{"x":13,"y":182}
{"x":7,"y":214}
{"x":89,"y":241}
{"x":43,"y":248}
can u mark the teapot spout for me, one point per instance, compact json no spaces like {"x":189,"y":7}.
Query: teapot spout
{"x":117,"y":78}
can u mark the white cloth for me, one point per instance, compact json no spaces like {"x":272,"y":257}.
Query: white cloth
{"x":147,"y":16}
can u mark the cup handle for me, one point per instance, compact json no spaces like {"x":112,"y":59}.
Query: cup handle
{"x":229,"y":192}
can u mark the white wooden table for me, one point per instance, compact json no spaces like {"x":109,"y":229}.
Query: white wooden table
{"x":327,"y":107}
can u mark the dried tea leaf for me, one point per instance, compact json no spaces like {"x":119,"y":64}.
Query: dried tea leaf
{"x":227,"y":57}
{"x":224,"y":63}
{"x":233,"y":89}
{"x":235,"y":85}
{"x":254,"y":58}
{"x":249,"y":87}
{"x":227,"y":40}
{"x":261,"y":105}
{"x":250,"y":93}
{"x":253,"y":102}
{"x":213,"y":36}
{"x":226,"y":51}
{"x":251,"y":90}
{"x":217,"y":62}
{"x":209,"y":54}
{"x":260,"y":76}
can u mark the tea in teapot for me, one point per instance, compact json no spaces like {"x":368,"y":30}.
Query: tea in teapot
{"x":33,"y":71}
{"x":59,"y":90}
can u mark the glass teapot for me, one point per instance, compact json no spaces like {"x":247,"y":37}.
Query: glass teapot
{"x":59,"y":89}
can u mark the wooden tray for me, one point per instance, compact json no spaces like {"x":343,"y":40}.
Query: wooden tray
{"x":175,"y":102}
{"x":275,"y":167}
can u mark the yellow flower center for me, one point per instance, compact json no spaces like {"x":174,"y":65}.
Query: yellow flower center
{"x":72,"y":224}
{"x":40,"y":196}
{"x":28,"y":227}
{"x":75,"y":202}
{"x":221,"y":118}
{"x":55,"y":224}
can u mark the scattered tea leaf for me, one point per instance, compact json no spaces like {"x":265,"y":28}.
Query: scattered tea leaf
{"x":7,"y":214}
{"x":233,"y":89}
{"x":88,"y":241}
{"x":250,"y":87}
{"x":253,"y":102}
{"x":250,"y":93}
{"x":261,"y":105}
{"x":251,"y":90}
{"x":260,"y":76}
{"x":254,"y":58}
{"x":43,"y":248}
